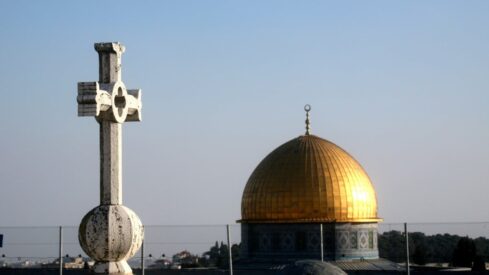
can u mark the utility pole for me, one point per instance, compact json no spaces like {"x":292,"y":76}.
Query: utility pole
{"x":408,"y":272}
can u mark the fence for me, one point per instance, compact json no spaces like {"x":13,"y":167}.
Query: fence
{"x":429,"y":243}
{"x":42,"y":246}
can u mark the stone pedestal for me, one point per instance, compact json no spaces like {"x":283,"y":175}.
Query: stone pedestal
{"x":110,"y":235}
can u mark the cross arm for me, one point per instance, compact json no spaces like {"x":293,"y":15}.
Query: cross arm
{"x":109,"y":101}
{"x":91,"y":99}
{"x":134,"y":105}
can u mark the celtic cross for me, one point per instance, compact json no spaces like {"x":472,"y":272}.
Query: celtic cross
{"x":110,"y":233}
{"x":111,"y":104}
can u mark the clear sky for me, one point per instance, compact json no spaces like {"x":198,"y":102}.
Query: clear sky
{"x":402,"y":86}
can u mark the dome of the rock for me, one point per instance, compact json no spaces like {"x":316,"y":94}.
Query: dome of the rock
{"x":309,"y":199}
{"x":309,"y":179}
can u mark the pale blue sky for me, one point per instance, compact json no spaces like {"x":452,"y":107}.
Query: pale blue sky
{"x":402,"y":86}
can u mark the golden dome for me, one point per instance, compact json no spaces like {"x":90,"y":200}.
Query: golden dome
{"x":309,"y":179}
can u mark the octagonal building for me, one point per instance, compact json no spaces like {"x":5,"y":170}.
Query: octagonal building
{"x":306,"y":182}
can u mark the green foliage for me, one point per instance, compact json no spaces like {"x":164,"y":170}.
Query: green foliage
{"x":417,"y":243}
{"x":419,"y":254}
{"x":439,"y":248}
{"x":391,"y":246}
{"x":464,"y":253}
{"x":218,"y":255}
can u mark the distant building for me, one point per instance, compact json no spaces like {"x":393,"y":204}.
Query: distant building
{"x":160,"y":264}
{"x":69,"y":263}
{"x":185,"y":258}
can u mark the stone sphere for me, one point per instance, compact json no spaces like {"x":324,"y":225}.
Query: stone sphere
{"x":110,"y":233}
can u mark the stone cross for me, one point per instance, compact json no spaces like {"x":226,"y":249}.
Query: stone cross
{"x":110,"y":233}
{"x":111,"y":104}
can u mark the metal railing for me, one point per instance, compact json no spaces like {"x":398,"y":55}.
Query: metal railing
{"x":177,"y":245}
{"x":217,"y":246}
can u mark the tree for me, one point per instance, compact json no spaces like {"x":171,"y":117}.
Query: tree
{"x":391,"y":246}
{"x":419,"y":255}
{"x":418,"y":248}
{"x":218,"y":255}
{"x":223,"y":256}
{"x":464,"y":253}
{"x":236,"y":251}
{"x":482,"y":245}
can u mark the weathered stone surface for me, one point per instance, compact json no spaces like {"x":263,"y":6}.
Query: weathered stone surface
{"x":109,"y":101}
{"x":114,"y":268}
{"x":110,"y":233}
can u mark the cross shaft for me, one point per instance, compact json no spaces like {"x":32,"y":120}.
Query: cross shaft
{"x":111,"y":104}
